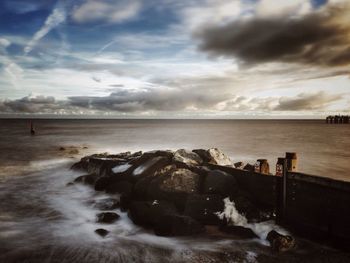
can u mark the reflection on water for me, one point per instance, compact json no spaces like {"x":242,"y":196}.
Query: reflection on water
{"x":322,"y":149}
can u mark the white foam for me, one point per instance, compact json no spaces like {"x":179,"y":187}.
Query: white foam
{"x":261,"y":229}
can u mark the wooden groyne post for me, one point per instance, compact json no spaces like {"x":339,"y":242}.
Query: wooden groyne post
{"x":338,"y":119}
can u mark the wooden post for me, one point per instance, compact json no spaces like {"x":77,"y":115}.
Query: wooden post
{"x":284,"y":190}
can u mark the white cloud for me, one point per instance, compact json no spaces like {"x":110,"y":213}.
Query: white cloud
{"x":4,"y":42}
{"x":57,"y":17}
{"x":109,"y":11}
{"x":268,"y":8}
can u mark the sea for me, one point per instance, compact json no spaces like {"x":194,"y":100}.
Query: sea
{"x":42,"y":219}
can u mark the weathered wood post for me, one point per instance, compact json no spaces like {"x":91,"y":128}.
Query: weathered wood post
{"x":281,"y":171}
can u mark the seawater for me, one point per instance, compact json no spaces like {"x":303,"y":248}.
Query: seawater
{"x":43,"y":219}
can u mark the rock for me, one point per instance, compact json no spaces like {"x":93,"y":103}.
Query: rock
{"x":74,"y":151}
{"x":205,"y":156}
{"x":203,"y":208}
{"x":62,"y":148}
{"x":178,"y":225}
{"x":218,"y":157}
{"x":175,"y":186}
{"x":148,"y":213}
{"x":280,"y":243}
{"x":187,"y":157}
{"x":107,"y":204}
{"x":249,"y":167}
{"x":239,"y":165}
{"x":239,"y":231}
{"x":86,"y":179}
{"x":107,"y":217}
{"x":164,"y":153}
{"x":219,"y":182}
{"x":149,"y":167}
{"x":102,"y":183}
{"x":70,"y":184}
{"x":245,"y":207}
{"x":121,"y":187}
{"x":102,"y":232}
{"x":125,"y":200}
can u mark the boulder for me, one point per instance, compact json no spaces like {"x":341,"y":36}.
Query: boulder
{"x":279,"y":242}
{"x":102,"y":183}
{"x":219,"y":182}
{"x":239,"y":165}
{"x":121,"y":187}
{"x":245,"y":207}
{"x":203,"y":208}
{"x":175,"y":186}
{"x":149,"y":167}
{"x":239,"y":231}
{"x":148,"y":213}
{"x":214,"y":156}
{"x":102,"y":232}
{"x":178,"y":225}
{"x":107,"y":217}
{"x":187,"y":157}
{"x":249,"y":167}
{"x":87,"y":179}
{"x":107,"y":204}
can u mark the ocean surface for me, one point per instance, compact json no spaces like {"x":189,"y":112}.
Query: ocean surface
{"x":44,"y":220}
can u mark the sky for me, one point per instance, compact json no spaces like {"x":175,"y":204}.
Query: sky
{"x":175,"y":58}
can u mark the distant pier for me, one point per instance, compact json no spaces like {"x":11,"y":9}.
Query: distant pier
{"x":338,"y":119}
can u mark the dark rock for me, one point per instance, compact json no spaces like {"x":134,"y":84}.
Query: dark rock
{"x":205,"y":156}
{"x":219,"y":182}
{"x":239,"y":165}
{"x":86,"y":179}
{"x":102,"y":232}
{"x":102,"y":183}
{"x":107,"y":204}
{"x":249,"y":167}
{"x":280,"y":243}
{"x":122,"y":187}
{"x":175,"y":186}
{"x":125,"y":200}
{"x":214,"y":156}
{"x":70,"y":184}
{"x":245,"y":207}
{"x":239,"y":231}
{"x":148,"y":213}
{"x":204,"y":207}
{"x":107,"y":217}
{"x":149,"y":167}
{"x":187,"y":157}
{"x":62,"y":149}
{"x":164,"y":153}
{"x":178,"y":225}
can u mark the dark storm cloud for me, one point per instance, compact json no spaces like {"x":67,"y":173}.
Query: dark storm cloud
{"x":148,"y":99}
{"x":30,"y":105}
{"x":319,"y":38}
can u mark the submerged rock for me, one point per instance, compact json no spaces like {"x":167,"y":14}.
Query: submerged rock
{"x":107,"y":217}
{"x":87,"y":179}
{"x":102,"y":232}
{"x":279,"y":242}
{"x":107,"y":204}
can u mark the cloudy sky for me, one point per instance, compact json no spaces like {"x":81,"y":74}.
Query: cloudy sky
{"x":172,"y":58}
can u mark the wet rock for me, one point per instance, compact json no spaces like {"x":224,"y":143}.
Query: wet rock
{"x":204,"y":207}
{"x":246,"y":207}
{"x":148,"y":213}
{"x":239,"y":231}
{"x":149,"y":167}
{"x":102,"y":232}
{"x":102,"y":183}
{"x":125,"y":201}
{"x":187,"y":157}
{"x":279,"y":242}
{"x":107,"y":217}
{"x":175,"y":186}
{"x":87,"y":179}
{"x":219,"y":182}
{"x":121,"y":187}
{"x":164,"y":153}
{"x":62,"y":149}
{"x":178,"y":225}
{"x":107,"y":204}
{"x":214,"y":156}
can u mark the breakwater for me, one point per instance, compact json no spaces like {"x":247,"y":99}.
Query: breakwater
{"x":182,"y":192}
{"x":338,"y":119}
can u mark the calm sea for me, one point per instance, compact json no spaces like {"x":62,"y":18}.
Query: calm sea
{"x":322,"y":149}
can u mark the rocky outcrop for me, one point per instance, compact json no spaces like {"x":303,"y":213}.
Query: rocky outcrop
{"x":280,"y":243}
{"x":101,"y":232}
{"x":173,"y":193}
